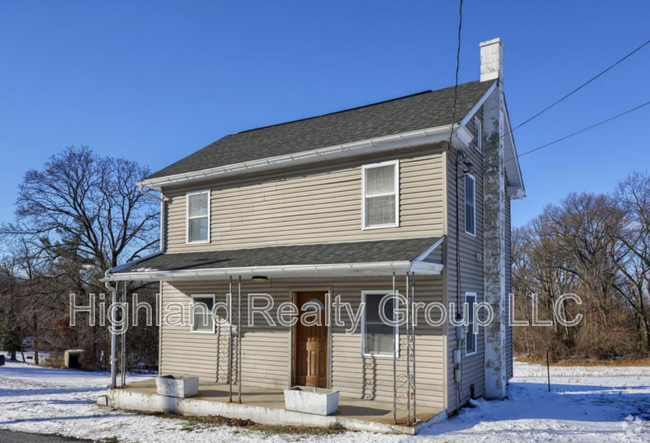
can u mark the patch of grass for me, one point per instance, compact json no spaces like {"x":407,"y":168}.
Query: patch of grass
{"x":195,"y":423}
{"x":113,"y":439}
{"x":336,"y":426}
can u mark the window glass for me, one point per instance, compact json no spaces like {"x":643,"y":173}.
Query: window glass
{"x":202,"y":315}
{"x":380,"y":180}
{"x":380,"y":196}
{"x":470,"y":209}
{"x":378,"y":338}
{"x":198,"y":205}
{"x":470,"y":340}
{"x":198,"y":209}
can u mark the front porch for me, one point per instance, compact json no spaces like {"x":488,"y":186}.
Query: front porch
{"x":266,"y":406}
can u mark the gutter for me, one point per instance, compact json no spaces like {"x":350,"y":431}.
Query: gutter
{"x":460,"y":139}
{"x":377,"y":268}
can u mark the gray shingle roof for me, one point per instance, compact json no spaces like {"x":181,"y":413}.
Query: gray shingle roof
{"x":424,"y":110}
{"x":321,"y":254}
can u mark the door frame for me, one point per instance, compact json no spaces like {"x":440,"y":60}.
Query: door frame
{"x":293,"y":331}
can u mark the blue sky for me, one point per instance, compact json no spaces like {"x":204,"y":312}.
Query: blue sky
{"x":154,"y":81}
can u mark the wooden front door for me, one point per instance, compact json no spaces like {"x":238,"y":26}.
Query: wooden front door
{"x":310,"y":345}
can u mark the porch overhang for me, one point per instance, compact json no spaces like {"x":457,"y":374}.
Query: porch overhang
{"x":348,"y":259}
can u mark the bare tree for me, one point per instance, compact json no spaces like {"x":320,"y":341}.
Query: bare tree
{"x":78,"y":216}
{"x":89,"y":207}
{"x":633,"y":253}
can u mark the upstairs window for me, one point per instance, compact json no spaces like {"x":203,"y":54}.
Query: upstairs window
{"x":470,"y":204}
{"x":381,"y":195}
{"x":378,"y":338}
{"x":198,"y":217}
{"x":479,"y":134}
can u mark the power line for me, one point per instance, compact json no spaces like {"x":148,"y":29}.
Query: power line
{"x":583,"y":130}
{"x":579,"y":87}
{"x":460,"y":28}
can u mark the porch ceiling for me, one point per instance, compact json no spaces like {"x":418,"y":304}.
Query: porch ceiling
{"x":349,"y":258}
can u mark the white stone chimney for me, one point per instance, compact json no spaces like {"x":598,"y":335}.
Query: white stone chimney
{"x":494,"y":224}
{"x":492,"y":60}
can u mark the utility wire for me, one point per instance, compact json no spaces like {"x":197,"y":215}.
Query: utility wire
{"x":582,"y":130}
{"x":460,"y":28}
{"x":579,"y":87}
{"x":459,"y":158}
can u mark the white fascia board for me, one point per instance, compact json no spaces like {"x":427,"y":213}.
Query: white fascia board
{"x":478,"y":104}
{"x":117,"y":269}
{"x":423,"y":267}
{"x":461,"y":138}
{"x":340,"y":269}
{"x":430,"y":249}
{"x":516,"y":188}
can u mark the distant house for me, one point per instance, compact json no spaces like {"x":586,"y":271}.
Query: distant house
{"x":45,"y":343}
{"x":409,"y":195}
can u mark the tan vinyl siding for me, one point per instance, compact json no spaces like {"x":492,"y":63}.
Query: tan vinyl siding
{"x":266,"y":350}
{"x":471,"y":273}
{"x":322,"y":205}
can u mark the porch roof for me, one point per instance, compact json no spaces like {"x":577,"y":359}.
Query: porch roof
{"x":349,"y":258}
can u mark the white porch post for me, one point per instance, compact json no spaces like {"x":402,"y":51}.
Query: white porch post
{"x":113,"y":344}
{"x":230,"y":341}
{"x":395,"y":347}
{"x":239,"y":342}
{"x":123,"y":340}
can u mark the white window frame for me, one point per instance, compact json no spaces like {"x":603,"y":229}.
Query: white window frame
{"x":188,"y":218}
{"x":192,"y":330}
{"x":478,"y":127}
{"x":473,"y":234}
{"x":395,"y":164}
{"x":363,"y":326}
{"x":469,"y":333}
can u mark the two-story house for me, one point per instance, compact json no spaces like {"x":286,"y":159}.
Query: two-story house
{"x":409,"y":196}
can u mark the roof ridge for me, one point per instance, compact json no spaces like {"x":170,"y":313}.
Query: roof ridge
{"x":350,"y":109}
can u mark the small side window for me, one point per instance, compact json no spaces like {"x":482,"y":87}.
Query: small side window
{"x":201,"y":314}
{"x":470,"y":205}
{"x":479,"y":134}
{"x":470,"y":337}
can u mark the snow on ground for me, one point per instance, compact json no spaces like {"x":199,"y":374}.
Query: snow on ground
{"x":586,"y":404}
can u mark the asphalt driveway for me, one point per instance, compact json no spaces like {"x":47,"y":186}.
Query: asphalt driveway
{"x":23,"y":437}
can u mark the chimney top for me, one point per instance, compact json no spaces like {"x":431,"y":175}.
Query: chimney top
{"x":492,"y":60}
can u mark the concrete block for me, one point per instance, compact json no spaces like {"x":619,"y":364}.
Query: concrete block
{"x":311,"y":400}
{"x":180,"y":387}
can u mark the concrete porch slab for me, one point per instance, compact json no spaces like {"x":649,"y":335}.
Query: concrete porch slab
{"x":266,"y":406}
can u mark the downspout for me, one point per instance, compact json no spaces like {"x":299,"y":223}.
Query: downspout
{"x":161,"y":199}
